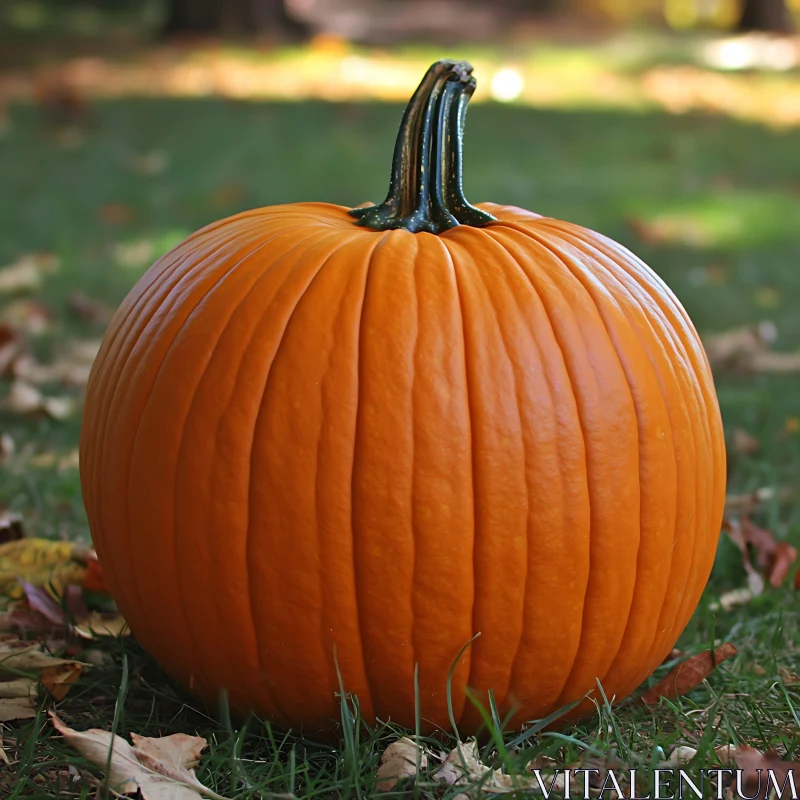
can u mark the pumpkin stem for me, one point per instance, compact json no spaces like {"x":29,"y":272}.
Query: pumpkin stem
{"x":425,"y":190}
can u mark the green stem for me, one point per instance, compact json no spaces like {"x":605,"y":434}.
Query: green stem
{"x":425,"y":190}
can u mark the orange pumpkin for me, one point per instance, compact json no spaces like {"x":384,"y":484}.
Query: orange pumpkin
{"x":321,"y":439}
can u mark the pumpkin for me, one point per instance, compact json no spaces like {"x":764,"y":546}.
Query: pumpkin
{"x":324,"y":444}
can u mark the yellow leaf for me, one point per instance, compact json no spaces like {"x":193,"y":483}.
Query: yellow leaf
{"x":41,"y":562}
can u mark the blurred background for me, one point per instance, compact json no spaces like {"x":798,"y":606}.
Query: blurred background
{"x":672,"y":126}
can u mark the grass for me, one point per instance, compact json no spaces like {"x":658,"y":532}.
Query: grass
{"x":735,"y":185}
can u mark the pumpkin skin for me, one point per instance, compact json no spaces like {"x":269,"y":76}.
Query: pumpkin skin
{"x":312,"y":446}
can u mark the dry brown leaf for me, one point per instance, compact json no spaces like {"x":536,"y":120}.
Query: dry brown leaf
{"x":56,"y":675}
{"x":787,"y":676}
{"x":742,"y":505}
{"x":115,"y":213}
{"x":732,"y":599}
{"x":89,"y":310}
{"x":744,"y":443}
{"x":17,"y":687}
{"x":399,"y":760}
{"x":159,"y":769}
{"x":11,"y":346}
{"x":770,"y":361}
{"x":785,"y":555}
{"x":70,"y":366}
{"x":746,"y":349}
{"x":689,"y":674}
{"x":25,"y":399}
{"x":59,"y":680}
{"x":492,"y":781}
{"x":751,"y":761}
{"x":680,"y":756}
{"x":26,"y":273}
{"x":96,"y":625}
{"x":735,"y":348}
{"x":29,"y":317}
{"x":773,"y":558}
{"x":17,"y":708}
{"x":20,"y":656}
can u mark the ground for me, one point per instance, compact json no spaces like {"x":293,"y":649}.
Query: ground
{"x":711,"y":202}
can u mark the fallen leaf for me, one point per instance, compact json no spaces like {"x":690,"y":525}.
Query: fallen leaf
{"x":787,"y":676}
{"x":11,"y":345}
{"x":399,"y":760}
{"x":463,"y":767}
{"x":89,"y":310}
{"x":732,"y":599}
{"x":785,"y":555}
{"x":56,"y":675}
{"x":757,"y":767}
{"x":689,"y":674}
{"x":26,"y":400}
{"x":773,"y":558}
{"x":17,"y":687}
{"x":744,"y":504}
{"x":134,"y":254}
{"x":42,"y":562}
{"x":115,"y":213}
{"x":59,"y":680}
{"x":27,"y":272}
{"x":735,"y":348}
{"x":70,"y":366}
{"x":97,"y":625}
{"x":17,"y":708}
{"x":770,"y":361}
{"x":28,"y":317}
{"x":680,"y":756}
{"x":11,"y":529}
{"x":18,"y":656}
{"x":158,"y":769}
{"x":69,"y":606}
{"x":744,"y":443}
{"x":746,"y":349}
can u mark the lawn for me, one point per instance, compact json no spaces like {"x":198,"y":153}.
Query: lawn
{"x":710,"y":202}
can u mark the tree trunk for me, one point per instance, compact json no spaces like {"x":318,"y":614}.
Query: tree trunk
{"x":250,"y":16}
{"x":766,"y":15}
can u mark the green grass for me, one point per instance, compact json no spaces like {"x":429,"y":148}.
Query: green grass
{"x":738,"y":185}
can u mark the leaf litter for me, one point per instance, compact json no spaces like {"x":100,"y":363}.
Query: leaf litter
{"x":24,"y":666}
{"x":157,"y":768}
{"x":688,"y":674}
